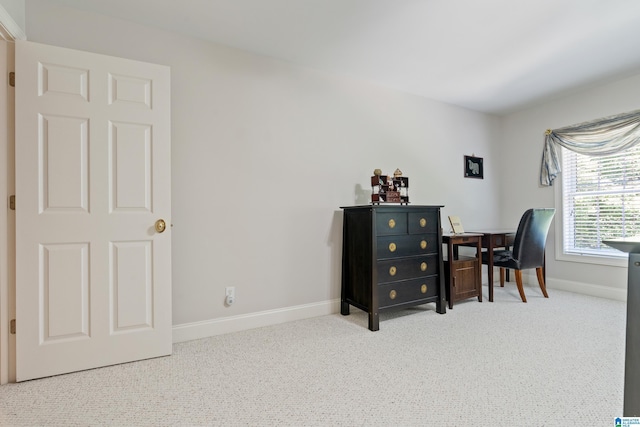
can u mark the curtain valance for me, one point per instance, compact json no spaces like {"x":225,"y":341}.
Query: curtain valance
{"x":598,"y":137}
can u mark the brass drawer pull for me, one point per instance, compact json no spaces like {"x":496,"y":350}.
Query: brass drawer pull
{"x":423,"y":266}
{"x":392,"y":223}
{"x":392,"y":247}
{"x":423,"y":289}
{"x":393,"y":270}
{"x":423,"y":222}
{"x":423,"y":244}
{"x":393,"y":294}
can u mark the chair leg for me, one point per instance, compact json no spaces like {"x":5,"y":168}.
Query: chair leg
{"x":519,"y":283}
{"x":501,"y":277}
{"x":543,"y":288}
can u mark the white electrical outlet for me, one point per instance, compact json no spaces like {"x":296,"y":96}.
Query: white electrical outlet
{"x":230,"y":293}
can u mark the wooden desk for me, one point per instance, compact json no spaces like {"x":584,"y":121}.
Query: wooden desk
{"x":493,"y":239}
{"x":464,"y":274}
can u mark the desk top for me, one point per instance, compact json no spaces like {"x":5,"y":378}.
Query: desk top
{"x":496,"y":231}
{"x":449,"y":235}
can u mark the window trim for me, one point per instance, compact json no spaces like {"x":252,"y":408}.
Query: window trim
{"x":559,"y":232}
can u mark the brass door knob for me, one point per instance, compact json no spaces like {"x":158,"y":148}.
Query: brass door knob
{"x":160,"y":225}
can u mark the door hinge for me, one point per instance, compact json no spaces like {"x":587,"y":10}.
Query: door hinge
{"x":12,"y":326}
{"x":12,"y":202}
{"x":12,"y":79}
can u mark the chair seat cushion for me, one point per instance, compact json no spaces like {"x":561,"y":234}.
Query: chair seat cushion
{"x":502,"y":258}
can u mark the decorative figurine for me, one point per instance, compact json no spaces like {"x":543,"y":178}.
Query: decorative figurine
{"x":388,"y":189}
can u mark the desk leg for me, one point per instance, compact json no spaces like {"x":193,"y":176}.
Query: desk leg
{"x":479,"y":273}
{"x":506,"y":269}
{"x":450,"y":257}
{"x":490,"y":268}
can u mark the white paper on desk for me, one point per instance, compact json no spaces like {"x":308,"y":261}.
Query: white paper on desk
{"x":456,"y":224}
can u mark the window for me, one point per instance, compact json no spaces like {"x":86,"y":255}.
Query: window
{"x":600,"y":200}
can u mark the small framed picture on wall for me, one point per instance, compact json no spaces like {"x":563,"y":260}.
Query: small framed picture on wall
{"x":473,"y":167}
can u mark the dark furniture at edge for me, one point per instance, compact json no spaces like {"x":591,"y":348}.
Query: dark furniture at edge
{"x":391,"y":258}
{"x":463,"y":273}
{"x":632,"y":355}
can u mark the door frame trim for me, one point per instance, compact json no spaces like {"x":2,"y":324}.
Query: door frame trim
{"x":7,"y":220}
{"x":4,"y":226}
{"x":9,"y":32}
{"x":9,"y":28}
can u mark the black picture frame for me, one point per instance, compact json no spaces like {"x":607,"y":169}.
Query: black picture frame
{"x":473,"y":167}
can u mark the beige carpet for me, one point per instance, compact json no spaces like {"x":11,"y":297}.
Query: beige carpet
{"x":550,"y":362}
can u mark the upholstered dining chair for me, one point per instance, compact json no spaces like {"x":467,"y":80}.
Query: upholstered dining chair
{"x":528,"y":248}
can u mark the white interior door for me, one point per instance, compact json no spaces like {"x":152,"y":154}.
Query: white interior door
{"x":93,"y":275}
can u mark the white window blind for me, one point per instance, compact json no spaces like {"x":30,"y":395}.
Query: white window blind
{"x":601,"y":200}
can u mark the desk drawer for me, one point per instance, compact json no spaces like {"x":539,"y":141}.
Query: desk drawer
{"x":402,"y":246}
{"x":501,"y":241}
{"x":396,"y":293}
{"x":392,"y":270}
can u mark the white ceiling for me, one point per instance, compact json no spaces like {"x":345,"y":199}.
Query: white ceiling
{"x":495,"y":56}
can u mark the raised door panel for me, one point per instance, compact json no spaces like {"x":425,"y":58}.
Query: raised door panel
{"x":64,"y":309}
{"x":131,"y":286}
{"x":466,"y":278}
{"x":63,"y":166}
{"x":130,"y":159}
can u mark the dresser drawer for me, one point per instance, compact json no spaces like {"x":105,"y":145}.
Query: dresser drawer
{"x":423,"y":222}
{"x":388,"y":223}
{"x":391,"y":270}
{"x":407,"y":245}
{"x":407,"y":291}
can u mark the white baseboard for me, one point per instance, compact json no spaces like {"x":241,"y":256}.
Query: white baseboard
{"x":579,"y":288}
{"x":225,"y":325}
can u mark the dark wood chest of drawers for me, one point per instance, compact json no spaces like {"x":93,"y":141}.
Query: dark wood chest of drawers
{"x":391,"y":258}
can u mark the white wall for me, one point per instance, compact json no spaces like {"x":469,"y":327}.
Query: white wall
{"x":16,"y":10}
{"x":521,"y":152}
{"x":265,"y":153}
